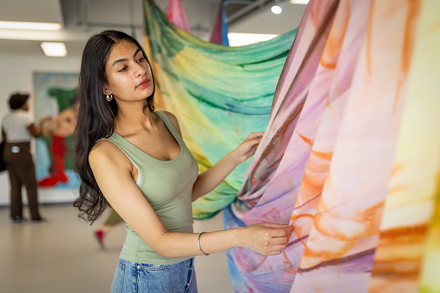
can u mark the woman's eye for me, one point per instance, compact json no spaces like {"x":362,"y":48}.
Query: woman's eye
{"x":141,"y":59}
{"x":123,"y":69}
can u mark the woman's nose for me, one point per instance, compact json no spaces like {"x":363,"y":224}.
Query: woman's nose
{"x":139,"y":70}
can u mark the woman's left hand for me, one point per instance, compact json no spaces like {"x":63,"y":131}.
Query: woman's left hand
{"x":248,"y":147}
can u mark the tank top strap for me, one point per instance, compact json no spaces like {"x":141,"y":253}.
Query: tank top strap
{"x":169,"y":125}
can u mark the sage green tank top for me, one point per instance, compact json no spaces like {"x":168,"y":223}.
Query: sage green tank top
{"x":167,"y":185}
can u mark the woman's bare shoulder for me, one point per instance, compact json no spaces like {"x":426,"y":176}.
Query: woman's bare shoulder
{"x":105,"y":153}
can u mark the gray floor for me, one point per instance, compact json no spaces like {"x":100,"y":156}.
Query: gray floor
{"x":63,"y":256}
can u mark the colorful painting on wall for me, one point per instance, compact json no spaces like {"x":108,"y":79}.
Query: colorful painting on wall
{"x":55,"y":96}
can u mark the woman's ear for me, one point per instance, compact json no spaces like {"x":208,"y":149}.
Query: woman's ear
{"x":104,"y":89}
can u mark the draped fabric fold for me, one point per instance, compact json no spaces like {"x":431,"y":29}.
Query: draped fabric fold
{"x":219,"y":34}
{"x":409,"y":241}
{"x":176,"y":15}
{"x":351,"y":151}
{"x":339,"y":250}
{"x":219,"y":94}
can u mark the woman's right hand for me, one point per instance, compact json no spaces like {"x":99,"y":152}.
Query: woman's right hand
{"x":267,"y":238}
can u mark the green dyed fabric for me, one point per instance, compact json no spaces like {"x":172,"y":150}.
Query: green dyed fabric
{"x":219,"y":94}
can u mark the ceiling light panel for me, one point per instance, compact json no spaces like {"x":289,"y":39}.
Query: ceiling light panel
{"x":54,"y":49}
{"x":40,"y":26}
{"x":299,"y":1}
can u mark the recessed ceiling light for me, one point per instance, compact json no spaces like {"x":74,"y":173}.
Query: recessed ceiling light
{"x":54,"y":49}
{"x":276,"y":9}
{"x":42,"y":26}
{"x":299,"y":1}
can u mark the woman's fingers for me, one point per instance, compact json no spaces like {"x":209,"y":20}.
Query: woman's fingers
{"x":253,"y":150}
{"x":275,"y":225}
{"x":268,"y":238}
{"x":278,"y":247}
{"x":254,"y":142}
{"x":275,"y":252}
{"x":254,"y":135}
{"x":280,"y":240}
{"x":279,"y":232}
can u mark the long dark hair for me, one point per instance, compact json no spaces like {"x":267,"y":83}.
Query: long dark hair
{"x":96,"y":117}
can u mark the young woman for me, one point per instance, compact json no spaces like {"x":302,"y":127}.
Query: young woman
{"x":134,"y":158}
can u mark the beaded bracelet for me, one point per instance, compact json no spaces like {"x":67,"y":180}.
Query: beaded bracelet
{"x":198,"y":244}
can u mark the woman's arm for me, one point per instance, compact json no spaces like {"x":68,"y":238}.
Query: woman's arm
{"x":36,"y":131}
{"x":210,"y":179}
{"x":112,"y":171}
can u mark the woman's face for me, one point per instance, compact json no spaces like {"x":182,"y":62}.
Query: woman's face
{"x":128,"y":73}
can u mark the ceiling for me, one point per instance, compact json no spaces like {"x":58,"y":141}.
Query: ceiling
{"x":83,"y":18}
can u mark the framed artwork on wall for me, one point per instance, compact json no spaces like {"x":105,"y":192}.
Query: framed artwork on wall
{"x":55,"y":96}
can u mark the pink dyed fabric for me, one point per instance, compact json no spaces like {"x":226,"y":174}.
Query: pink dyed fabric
{"x":176,"y":15}
{"x":327,"y":157}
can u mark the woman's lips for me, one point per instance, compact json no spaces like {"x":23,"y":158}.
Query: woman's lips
{"x":145,"y":83}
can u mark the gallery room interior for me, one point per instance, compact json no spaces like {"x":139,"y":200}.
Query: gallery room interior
{"x":309,"y":130}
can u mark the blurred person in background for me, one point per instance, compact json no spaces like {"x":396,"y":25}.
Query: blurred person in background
{"x":113,"y":219}
{"x":17,"y":130}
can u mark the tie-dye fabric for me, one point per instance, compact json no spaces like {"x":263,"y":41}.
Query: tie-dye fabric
{"x":339,"y":250}
{"x":219,"y":94}
{"x":176,"y":15}
{"x":351,"y":152}
{"x":219,"y":34}
{"x":341,"y":192}
{"x":413,"y":187}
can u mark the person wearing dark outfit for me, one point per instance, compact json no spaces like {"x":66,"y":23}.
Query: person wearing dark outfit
{"x":17,"y":131}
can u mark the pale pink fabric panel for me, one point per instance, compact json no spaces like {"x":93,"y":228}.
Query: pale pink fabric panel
{"x":283,"y":186}
{"x":176,"y":15}
{"x":256,"y":204}
{"x":306,"y":35}
{"x":287,"y":75}
{"x":303,"y":45}
{"x":274,"y":143}
{"x":413,"y":188}
{"x":347,"y":36}
{"x":339,"y":251}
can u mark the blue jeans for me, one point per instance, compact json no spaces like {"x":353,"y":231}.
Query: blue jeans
{"x":133,"y":277}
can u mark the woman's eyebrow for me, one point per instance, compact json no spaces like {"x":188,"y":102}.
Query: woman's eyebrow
{"x":125,"y":59}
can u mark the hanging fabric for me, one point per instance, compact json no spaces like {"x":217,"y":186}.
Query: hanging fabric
{"x":219,"y":94}
{"x":351,"y":151}
{"x":219,"y":34}
{"x":176,"y":15}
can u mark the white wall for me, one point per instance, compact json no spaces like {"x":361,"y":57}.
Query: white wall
{"x":16,"y":75}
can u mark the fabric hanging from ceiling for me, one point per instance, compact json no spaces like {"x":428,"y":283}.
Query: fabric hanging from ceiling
{"x":176,"y":15}
{"x":339,"y":248}
{"x":409,"y":241}
{"x":351,"y":150}
{"x":219,"y":33}
{"x":219,"y":94}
